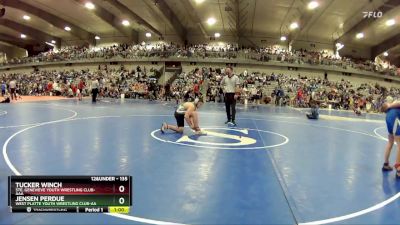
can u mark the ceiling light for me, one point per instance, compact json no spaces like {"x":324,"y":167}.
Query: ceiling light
{"x":67,"y":28}
{"x":148,"y":34}
{"x":89,"y":5}
{"x":53,"y":41}
{"x":313,"y":5}
{"x":294,"y":25}
{"x":199,"y":1}
{"x":385,"y":54}
{"x":217,"y":35}
{"x":26,"y":17}
{"x":23,"y":36}
{"x":283,"y":38}
{"x":390,"y":22}
{"x":125,"y":22}
{"x":97,"y":37}
{"x":211,"y":21}
{"x":360,"y":35}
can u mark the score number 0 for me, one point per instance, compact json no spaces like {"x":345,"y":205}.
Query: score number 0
{"x":122,"y":189}
{"x":121,"y":199}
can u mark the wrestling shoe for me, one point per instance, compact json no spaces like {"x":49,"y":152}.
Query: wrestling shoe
{"x":386,"y":167}
{"x":397,"y":167}
{"x":201,"y":132}
{"x":163,"y":127}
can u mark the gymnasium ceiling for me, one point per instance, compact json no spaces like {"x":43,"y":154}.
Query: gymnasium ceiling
{"x":332,"y":20}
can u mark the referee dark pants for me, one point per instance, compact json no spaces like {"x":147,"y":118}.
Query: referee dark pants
{"x":95,"y":91}
{"x":230,"y":106}
{"x":13,"y":94}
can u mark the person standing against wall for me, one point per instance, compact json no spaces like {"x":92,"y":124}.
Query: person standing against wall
{"x":231,"y":85}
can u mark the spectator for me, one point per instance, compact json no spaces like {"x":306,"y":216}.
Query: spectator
{"x":6,"y":99}
{"x":314,"y":114}
{"x":3,"y":88}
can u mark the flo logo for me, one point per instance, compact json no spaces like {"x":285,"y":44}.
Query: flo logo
{"x":225,"y":138}
{"x":373,"y":14}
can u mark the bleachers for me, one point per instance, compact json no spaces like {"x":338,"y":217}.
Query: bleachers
{"x":203,"y":54}
{"x":175,"y":66}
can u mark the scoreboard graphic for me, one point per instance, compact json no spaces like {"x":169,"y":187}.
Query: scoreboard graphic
{"x":73,"y":194}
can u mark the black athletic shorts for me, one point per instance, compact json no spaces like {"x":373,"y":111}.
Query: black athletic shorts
{"x":180,"y":119}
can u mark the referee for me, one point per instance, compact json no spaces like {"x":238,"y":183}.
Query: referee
{"x":95,"y":89}
{"x":230,"y":83}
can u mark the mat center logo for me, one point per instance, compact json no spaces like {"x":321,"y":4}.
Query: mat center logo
{"x":225,"y":138}
{"x":239,"y":140}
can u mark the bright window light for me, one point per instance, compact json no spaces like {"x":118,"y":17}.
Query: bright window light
{"x":283,"y":38}
{"x":89,"y":5}
{"x":217,"y":35}
{"x":211,"y":21}
{"x":390,"y":22}
{"x":294,"y":26}
{"x":67,"y":28}
{"x":125,"y":22}
{"x":313,"y":5}
{"x":360,"y":35}
{"x":26,"y":17}
{"x":23,"y":36}
{"x":148,"y":34}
